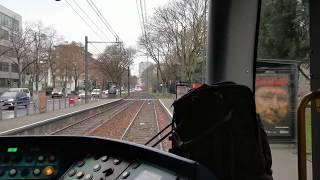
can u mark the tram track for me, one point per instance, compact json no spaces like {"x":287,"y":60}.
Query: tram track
{"x":144,"y":125}
{"x":81,"y":127}
{"x":135,"y":119}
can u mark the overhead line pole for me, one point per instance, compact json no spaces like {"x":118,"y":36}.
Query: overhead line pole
{"x":86,"y":68}
{"x":86,"y":42}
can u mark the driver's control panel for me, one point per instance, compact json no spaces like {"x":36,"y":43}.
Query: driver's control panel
{"x":116,"y":168}
{"x":104,"y":167}
{"x":90,"y":158}
{"x":18,"y":162}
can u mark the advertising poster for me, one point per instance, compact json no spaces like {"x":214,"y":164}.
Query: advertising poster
{"x":274,"y":103}
{"x":42,"y":101}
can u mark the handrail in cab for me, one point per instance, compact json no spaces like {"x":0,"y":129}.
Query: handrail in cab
{"x":302,"y":156}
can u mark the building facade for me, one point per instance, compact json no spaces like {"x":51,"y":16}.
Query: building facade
{"x":9,"y":22}
{"x":143,"y":66}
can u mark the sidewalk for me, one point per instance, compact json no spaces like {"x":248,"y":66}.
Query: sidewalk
{"x":167,"y":103}
{"x":285,"y":163}
{"x":284,"y":157}
{"x":9,"y":124}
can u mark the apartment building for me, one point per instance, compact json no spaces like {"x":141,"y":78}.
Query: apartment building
{"x":9,"y":21}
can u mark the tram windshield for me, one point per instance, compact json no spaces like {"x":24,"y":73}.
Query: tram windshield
{"x":121,"y":64}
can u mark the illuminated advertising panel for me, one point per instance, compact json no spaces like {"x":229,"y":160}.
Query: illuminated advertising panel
{"x":275,"y":103}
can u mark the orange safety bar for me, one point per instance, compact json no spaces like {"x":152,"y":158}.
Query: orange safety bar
{"x":302,"y":155}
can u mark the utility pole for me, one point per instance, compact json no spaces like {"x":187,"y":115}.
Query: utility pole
{"x":86,"y":65}
{"x":86,"y":68}
{"x":147,"y":74}
{"x":158,"y":71}
{"x":204,"y":44}
{"x":120,"y":88}
{"x":37,"y":60}
{"x":129,"y":80}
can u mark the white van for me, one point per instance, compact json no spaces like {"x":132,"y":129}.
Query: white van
{"x":26,"y":90}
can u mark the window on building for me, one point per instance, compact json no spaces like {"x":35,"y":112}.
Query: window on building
{"x":2,"y":19}
{"x":15,"y":68}
{"x":4,"y":66}
{"x":4,"y":34}
{"x":15,"y":25}
{"x":6,"y":20}
{"x":3,"y":82}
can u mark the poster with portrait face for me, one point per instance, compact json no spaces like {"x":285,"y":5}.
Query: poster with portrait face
{"x":274,"y":103}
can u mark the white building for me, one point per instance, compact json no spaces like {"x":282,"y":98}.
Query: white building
{"x":9,"y":21}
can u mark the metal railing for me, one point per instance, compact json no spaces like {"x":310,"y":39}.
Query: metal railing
{"x":54,"y":104}
{"x":302,"y":155}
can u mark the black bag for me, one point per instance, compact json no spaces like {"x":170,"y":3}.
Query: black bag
{"x":218,"y":127}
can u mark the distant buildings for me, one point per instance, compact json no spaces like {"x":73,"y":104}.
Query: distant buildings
{"x":143,"y":66}
{"x":9,"y":22}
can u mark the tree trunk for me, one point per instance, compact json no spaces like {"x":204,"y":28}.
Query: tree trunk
{"x":76,"y":83}
{"x":120,"y":86}
{"x":19,"y":74}
{"x":53,"y":81}
{"x":19,"y":82}
{"x":37,"y":76}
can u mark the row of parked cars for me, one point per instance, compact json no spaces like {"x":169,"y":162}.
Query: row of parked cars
{"x":58,"y":93}
{"x":96,"y":93}
{"x":22,"y":96}
{"x":15,"y":97}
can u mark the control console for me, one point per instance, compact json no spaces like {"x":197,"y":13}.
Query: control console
{"x":90,"y":158}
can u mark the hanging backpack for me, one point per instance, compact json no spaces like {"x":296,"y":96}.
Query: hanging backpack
{"x":217,"y":126}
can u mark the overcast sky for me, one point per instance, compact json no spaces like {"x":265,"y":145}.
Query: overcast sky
{"x":122,"y":15}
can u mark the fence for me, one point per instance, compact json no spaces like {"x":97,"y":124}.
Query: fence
{"x":53,"y":104}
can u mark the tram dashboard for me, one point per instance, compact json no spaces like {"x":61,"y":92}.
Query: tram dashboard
{"x":90,"y":158}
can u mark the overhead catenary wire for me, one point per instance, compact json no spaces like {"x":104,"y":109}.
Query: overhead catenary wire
{"x":95,"y":47}
{"x":102,"y":18}
{"x":143,"y":17}
{"x":105,"y":20}
{"x":75,"y":11}
{"x":90,"y":19}
{"x":139,"y":17}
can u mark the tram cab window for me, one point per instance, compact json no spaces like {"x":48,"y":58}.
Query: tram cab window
{"x":143,"y":55}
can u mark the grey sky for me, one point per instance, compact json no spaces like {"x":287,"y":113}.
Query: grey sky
{"x":122,"y":15}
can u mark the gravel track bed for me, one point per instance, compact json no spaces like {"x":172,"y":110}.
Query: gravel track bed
{"x":86,"y":126}
{"x":144,"y":126}
{"x":115,"y":127}
{"x":139,"y":95}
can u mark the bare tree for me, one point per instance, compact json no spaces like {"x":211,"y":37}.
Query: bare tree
{"x":39,"y":52}
{"x":175,"y":37}
{"x":51,"y":58}
{"x":70,"y":62}
{"x":114,"y":61}
{"x":19,"y":48}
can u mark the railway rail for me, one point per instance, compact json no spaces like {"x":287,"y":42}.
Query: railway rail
{"x":136,"y":119}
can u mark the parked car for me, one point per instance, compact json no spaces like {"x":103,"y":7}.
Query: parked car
{"x":81,"y":94}
{"x":11,"y":98}
{"x":105,"y":92}
{"x":26,"y":90}
{"x":112,"y":90}
{"x":57,"y":92}
{"x":96,"y":93}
